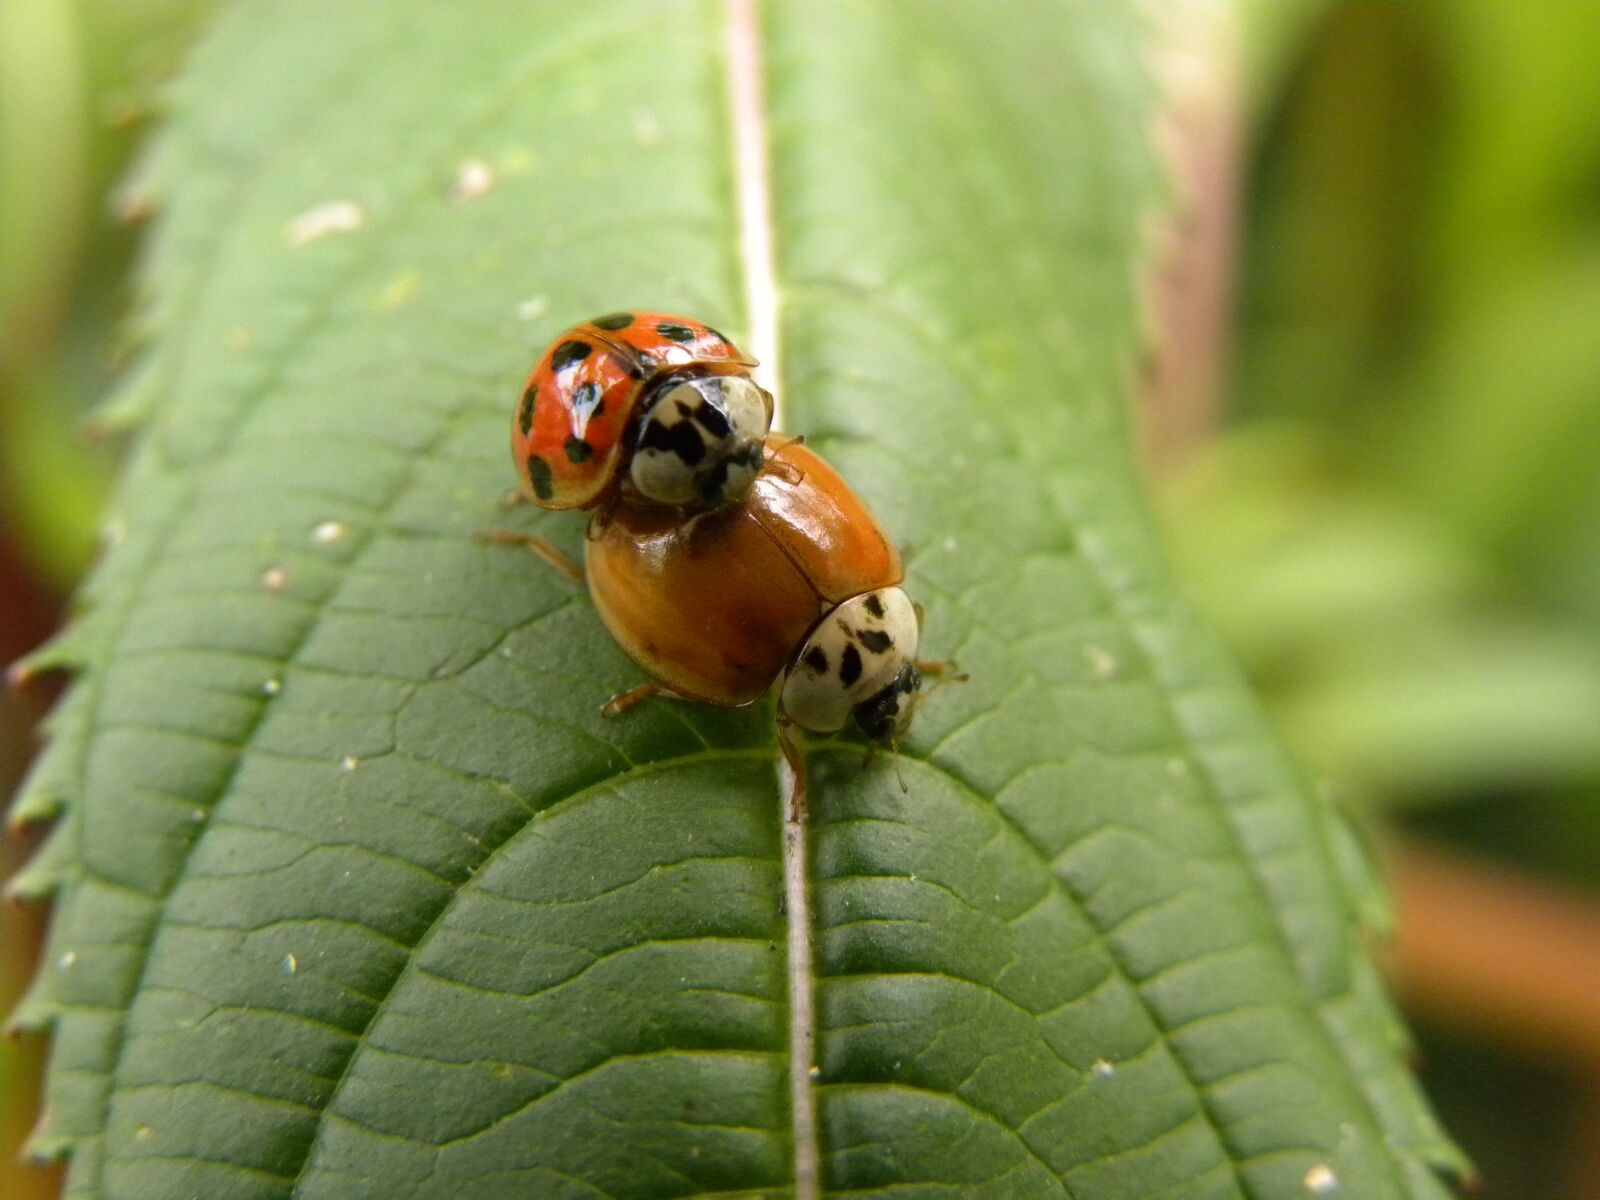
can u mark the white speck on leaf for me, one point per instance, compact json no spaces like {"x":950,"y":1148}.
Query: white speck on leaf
{"x":68,"y":960}
{"x":329,"y":532}
{"x":291,"y":964}
{"x":143,"y":1134}
{"x":336,"y":216}
{"x":274,"y":579}
{"x":1321,"y":1181}
{"x":532,"y":308}
{"x":474,"y":178}
{"x":814,"y":1071}
{"x":646,"y":128}
{"x":1101,"y":661}
{"x":1102,"y":1069}
{"x":272,"y":687}
{"x":349,"y":763}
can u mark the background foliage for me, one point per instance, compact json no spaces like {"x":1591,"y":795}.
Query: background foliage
{"x":1398,"y":527}
{"x":1414,"y":393}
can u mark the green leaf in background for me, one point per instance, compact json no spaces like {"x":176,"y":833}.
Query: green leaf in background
{"x":1396,"y":533}
{"x":359,"y":896}
{"x":77,"y":77}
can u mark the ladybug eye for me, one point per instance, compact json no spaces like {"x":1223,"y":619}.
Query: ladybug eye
{"x":699,"y":441}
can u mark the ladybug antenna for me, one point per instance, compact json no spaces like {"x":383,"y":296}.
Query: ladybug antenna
{"x":943,"y":671}
{"x":894,"y":749}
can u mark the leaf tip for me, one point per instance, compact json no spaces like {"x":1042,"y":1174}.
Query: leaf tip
{"x":61,"y":653}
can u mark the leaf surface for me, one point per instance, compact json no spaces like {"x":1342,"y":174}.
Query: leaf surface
{"x":359,"y":896}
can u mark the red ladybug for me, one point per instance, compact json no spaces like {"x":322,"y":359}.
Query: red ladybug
{"x":641,"y":405}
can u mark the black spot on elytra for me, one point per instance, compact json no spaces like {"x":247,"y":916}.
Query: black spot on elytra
{"x":681,"y":439}
{"x":874,"y":605}
{"x":539,"y":476}
{"x":674,"y":332}
{"x":578,"y":450}
{"x":568,"y":353}
{"x":612,"y":322}
{"x":875,"y":640}
{"x":525,"y":410}
{"x":817,"y":659}
{"x":850,"y":666}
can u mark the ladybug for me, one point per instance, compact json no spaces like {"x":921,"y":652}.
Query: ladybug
{"x":654,"y":408}
{"x":794,"y":584}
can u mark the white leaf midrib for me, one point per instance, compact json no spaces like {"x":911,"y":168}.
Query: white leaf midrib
{"x":753,"y":198}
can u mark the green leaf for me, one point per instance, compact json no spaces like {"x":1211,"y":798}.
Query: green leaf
{"x":359,"y":896}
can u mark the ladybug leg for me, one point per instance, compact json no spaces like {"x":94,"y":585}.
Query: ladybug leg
{"x":540,"y":546}
{"x":871,"y":756}
{"x":788,"y":472}
{"x":599,"y":521}
{"x":772,"y":464}
{"x":623,"y":701}
{"x":511,"y":499}
{"x":797,"y":764}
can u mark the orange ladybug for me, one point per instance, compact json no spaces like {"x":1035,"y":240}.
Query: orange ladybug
{"x":796,"y":581}
{"x":645,"y":405}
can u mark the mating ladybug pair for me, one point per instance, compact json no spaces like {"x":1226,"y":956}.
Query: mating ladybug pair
{"x":721,"y":559}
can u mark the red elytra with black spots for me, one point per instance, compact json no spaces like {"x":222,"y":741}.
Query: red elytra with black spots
{"x":569,"y":430}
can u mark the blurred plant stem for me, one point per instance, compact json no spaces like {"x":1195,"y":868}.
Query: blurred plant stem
{"x":1189,"y":285}
{"x":1498,"y":951}
{"x":1503,"y":955}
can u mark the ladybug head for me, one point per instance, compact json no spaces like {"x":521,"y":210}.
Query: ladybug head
{"x":699,"y":440}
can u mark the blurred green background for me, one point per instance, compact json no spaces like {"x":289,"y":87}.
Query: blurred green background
{"x":1395,"y":519}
